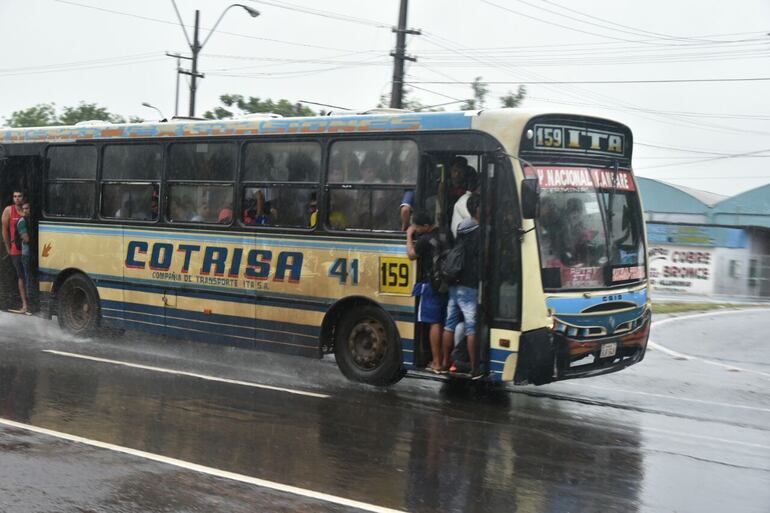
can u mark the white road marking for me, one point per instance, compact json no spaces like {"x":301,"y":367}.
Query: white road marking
{"x":189,"y":374}
{"x":683,"y":356}
{"x":690,"y":436}
{"x":663,"y":396}
{"x":294,"y":490}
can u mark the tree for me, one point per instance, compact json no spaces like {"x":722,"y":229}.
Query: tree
{"x":480,"y":91}
{"x":408,"y":103}
{"x":88,"y":112}
{"x":514,"y":99}
{"x":255,"y":105}
{"x":42,"y":114}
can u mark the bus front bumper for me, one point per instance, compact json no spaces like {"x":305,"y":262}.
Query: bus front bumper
{"x":547,"y":356}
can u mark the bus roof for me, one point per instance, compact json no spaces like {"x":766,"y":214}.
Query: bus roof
{"x":366,"y":123}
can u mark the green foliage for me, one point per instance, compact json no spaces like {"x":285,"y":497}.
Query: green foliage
{"x":87,"y":112}
{"x":514,"y":99}
{"x":408,"y":103}
{"x":480,"y":92}
{"x":44,"y":114}
{"x":253,"y":105}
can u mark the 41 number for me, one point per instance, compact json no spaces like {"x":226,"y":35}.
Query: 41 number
{"x":340,"y":269}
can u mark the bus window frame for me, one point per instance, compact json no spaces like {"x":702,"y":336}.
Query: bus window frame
{"x":327,"y":186}
{"x":47,"y":181}
{"x":113,"y":181}
{"x":241,"y":185}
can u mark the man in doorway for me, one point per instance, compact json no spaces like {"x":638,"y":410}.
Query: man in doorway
{"x":10,"y":220}
{"x":463,"y":295}
{"x":422,"y":244}
{"x":460,"y":210}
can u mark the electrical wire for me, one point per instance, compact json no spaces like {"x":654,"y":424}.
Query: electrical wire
{"x":166,"y":22}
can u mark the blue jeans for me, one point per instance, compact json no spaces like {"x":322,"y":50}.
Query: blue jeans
{"x":462,"y":305}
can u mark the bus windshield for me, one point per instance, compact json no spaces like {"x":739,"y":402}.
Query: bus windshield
{"x":589,"y":228}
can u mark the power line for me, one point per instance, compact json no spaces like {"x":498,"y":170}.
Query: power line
{"x":579,"y":13}
{"x":166,"y":22}
{"x":633,"y":31}
{"x":126,"y":62}
{"x":699,"y":161}
{"x":518,"y":13}
{"x":615,"y":82}
{"x":323,"y":14}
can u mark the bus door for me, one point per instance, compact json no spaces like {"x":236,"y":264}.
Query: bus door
{"x":22,"y":171}
{"x":501,"y":293}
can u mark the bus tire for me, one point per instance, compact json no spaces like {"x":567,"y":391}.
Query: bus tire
{"x":367,"y":347}
{"x":78,"y":306}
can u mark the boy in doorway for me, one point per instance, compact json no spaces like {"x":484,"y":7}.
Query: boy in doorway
{"x":23,"y":234}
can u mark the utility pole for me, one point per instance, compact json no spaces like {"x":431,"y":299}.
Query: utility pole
{"x":179,"y":71}
{"x":196,"y":46}
{"x":399,"y":56}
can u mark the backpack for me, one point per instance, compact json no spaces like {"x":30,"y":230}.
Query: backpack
{"x":452,"y":263}
{"x":437,"y":281}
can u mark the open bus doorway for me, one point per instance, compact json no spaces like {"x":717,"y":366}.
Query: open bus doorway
{"x":439,"y":189}
{"x":20,"y":173}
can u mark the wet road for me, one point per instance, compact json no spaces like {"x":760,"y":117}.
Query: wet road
{"x":172,"y":426}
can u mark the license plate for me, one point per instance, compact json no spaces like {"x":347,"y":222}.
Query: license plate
{"x":608,"y":350}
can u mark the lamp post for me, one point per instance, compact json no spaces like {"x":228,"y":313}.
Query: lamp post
{"x":196,"y":46}
{"x":150,"y":106}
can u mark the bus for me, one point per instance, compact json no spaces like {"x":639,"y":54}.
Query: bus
{"x":285,"y":234}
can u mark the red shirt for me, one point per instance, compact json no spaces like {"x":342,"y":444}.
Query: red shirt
{"x":15,"y":216}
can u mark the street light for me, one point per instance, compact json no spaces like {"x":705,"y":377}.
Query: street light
{"x":150,"y":106}
{"x":196,"y":46}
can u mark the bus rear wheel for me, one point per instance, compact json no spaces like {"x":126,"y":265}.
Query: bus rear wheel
{"x":78,"y":306}
{"x":367,"y":347}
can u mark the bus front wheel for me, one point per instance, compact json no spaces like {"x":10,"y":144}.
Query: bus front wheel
{"x":367,"y":347}
{"x":78,"y":306}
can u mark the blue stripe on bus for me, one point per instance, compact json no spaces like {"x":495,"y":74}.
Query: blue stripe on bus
{"x":573,"y":305}
{"x":311,"y":126}
{"x":241,"y":331}
{"x":399,"y":312}
{"x":226,"y":321}
{"x":397,"y":248}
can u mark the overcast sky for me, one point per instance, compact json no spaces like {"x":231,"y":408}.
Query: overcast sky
{"x":702,"y":133}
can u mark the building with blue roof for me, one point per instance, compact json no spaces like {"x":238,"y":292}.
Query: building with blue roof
{"x":706,"y":243}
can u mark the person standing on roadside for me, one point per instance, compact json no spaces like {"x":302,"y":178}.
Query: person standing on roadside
{"x":10,"y":220}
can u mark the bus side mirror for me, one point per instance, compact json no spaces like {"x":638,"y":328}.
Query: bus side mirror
{"x":530,"y":198}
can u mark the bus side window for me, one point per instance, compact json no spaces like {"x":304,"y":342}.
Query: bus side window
{"x":280,"y":184}
{"x":70,"y":181}
{"x":368,"y":182}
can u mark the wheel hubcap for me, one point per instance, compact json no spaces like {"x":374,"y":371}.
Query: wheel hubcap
{"x":367,"y":343}
{"x":79,"y":308}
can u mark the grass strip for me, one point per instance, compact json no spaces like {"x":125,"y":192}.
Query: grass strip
{"x":669,"y":308}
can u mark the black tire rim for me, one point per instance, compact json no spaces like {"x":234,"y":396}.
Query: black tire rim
{"x":368,"y":343}
{"x":79,"y":309}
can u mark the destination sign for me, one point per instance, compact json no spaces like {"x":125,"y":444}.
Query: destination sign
{"x":581,"y":178}
{"x":569,"y":138}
